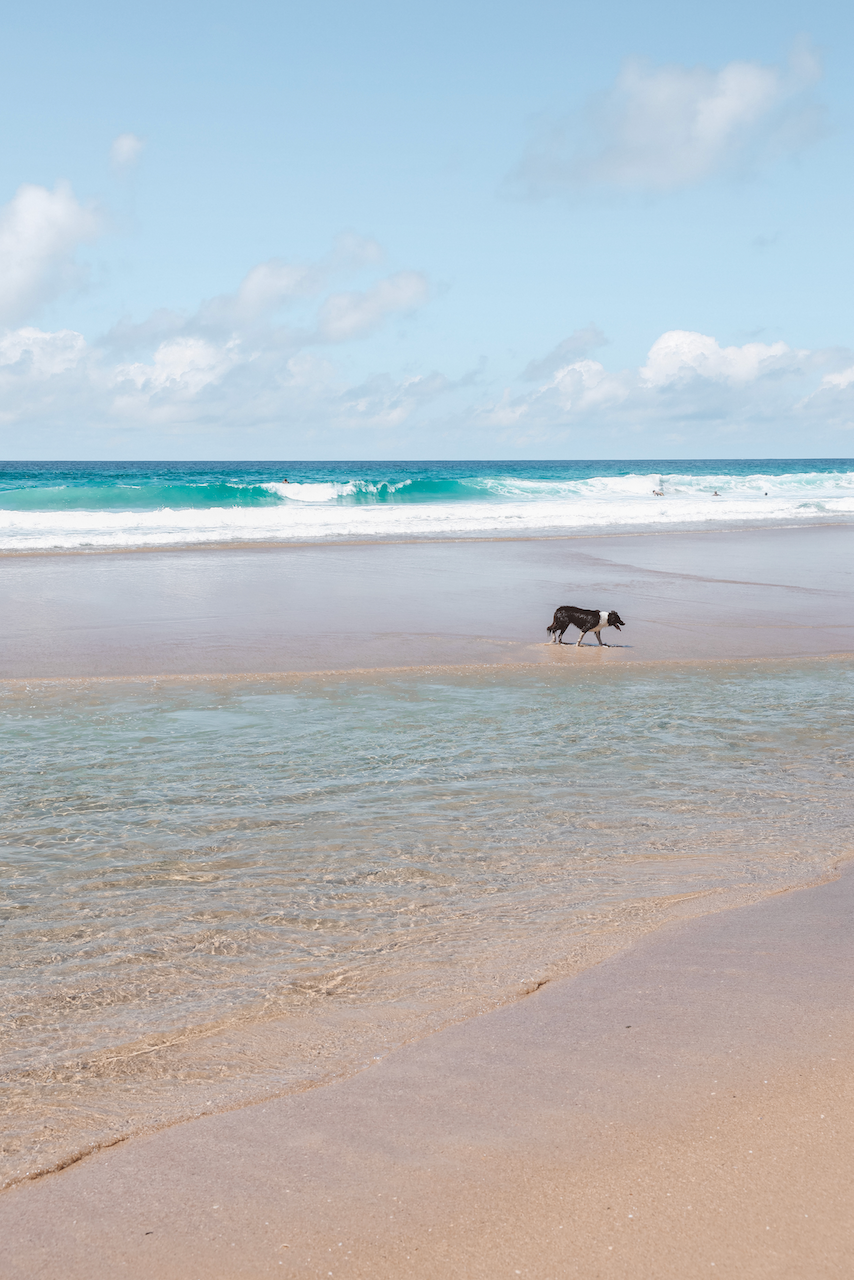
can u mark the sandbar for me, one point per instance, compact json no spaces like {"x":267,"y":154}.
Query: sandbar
{"x":702,"y":595}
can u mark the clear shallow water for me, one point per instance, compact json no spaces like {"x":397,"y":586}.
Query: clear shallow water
{"x":106,"y":505}
{"x":217,"y":891}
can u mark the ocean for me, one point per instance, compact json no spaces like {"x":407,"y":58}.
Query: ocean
{"x":100,"y":506}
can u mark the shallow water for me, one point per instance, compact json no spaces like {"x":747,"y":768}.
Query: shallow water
{"x":218,"y":890}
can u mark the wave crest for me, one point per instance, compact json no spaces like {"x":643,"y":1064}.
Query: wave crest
{"x":159,"y":510}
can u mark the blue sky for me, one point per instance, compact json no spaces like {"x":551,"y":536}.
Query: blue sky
{"x":457,"y":230}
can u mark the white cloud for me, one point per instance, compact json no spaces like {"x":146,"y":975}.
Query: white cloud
{"x":688,"y":382}
{"x":264,"y":290}
{"x":345,"y":316}
{"x":230,"y":370}
{"x":229,"y":362}
{"x":40,"y":232}
{"x":272,"y":286}
{"x":183,"y":365}
{"x":383,"y":401}
{"x":39,"y":354}
{"x":125,"y":150}
{"x":680,"y":354}
{"x":660,"y":128}
{"x":838,"y":381}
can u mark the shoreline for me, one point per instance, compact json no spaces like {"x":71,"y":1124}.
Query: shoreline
{"x":381,"y":540}
{"x":15,"y":683}
{"x":537,"y":1138}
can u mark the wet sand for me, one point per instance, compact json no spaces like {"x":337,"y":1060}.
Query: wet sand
{"x":746,"y":593}
{"x":682,"y":1109}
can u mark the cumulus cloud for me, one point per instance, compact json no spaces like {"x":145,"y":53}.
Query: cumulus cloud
{"x":389,"y":402}
{"x":344,"y":316}
{"x":230,"y":361}
{"x":688,"y":380}
{"x":660,"y":128}
{"x":41,"y":354}
{"x":838,"y":381}
{"x":231,"y":367}
{"x":184,"y":365}
{"x":680,"y":354}
{"x":264,"y":290}
{"x":125,"y":150}
{"x":191,"y":381}
{"x":40,"y":232}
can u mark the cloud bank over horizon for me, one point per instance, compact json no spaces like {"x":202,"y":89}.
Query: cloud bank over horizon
{"x":236,"y":367}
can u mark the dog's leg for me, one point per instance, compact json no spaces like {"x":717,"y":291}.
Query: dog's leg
{"x":599,"y":638}
{"x":580,"y":638}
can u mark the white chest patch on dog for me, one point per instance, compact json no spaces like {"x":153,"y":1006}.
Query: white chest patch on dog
{"x":603,"y":620}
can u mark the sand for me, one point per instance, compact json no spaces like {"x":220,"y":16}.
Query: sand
{"x":755,"y":593}
{"x":682,"y":1109}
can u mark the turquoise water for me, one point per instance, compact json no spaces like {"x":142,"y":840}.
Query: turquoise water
{"x":215,"y":891}
{"x":106,"y":505}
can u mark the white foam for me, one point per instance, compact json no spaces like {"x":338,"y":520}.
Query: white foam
{"x":312,"y":518}
{"x":297,"y":492}
{"x":499,"y":506}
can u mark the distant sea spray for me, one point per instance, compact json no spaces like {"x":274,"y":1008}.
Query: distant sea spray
{"x":68,"y":506}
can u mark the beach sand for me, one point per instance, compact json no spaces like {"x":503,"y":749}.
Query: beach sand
{"x":681,"y":1109}
{"x":740,"y":594}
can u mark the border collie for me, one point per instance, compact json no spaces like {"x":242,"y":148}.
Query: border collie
{"x":585,"y":619}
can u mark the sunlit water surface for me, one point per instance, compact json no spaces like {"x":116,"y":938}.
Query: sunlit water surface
{"x":218,"y":891}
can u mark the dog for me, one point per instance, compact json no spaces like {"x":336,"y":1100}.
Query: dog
{"x":586,"y":620}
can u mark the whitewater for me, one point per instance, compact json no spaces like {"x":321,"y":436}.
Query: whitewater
{"x":104,"y":506}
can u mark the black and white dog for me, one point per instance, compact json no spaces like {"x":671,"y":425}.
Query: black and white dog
{"x":585,"y":619}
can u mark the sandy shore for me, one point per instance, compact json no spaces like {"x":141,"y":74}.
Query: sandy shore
{"x":682,"y":1109}
{"x":745,"y":593}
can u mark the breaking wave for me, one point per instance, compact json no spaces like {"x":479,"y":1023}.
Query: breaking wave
{"x":103,"y":506}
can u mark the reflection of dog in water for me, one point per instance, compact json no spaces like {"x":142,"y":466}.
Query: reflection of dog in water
{"x":585,"y":619}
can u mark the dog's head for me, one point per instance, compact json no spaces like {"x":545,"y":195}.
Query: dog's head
{"x":614,"y":620}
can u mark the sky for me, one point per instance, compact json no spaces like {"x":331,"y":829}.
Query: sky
{"x":464,"y":230}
